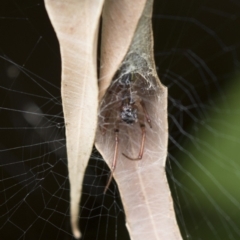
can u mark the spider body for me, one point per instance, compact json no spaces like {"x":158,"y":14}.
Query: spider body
{"x":124,"y":105}
{"x":129,"y":113}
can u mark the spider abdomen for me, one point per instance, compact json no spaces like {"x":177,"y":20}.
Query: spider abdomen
{"x":129,"y":114}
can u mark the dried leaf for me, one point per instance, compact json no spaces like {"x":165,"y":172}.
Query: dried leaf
{"x":120,"y":19}
{"x":76,"y":25}
{"x":142,"y":184}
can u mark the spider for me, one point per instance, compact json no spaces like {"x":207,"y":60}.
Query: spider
{"x":123,"y":95}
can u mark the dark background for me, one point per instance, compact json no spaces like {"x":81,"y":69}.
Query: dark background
{"x":197,"y":56}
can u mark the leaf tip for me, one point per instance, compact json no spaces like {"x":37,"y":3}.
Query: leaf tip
{"x":76,"y":232}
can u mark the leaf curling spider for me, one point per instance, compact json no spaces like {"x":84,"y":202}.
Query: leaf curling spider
{"x":124,"y":95}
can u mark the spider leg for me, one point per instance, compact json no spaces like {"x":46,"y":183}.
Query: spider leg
{"x":140,"y":80}
{"x":103,"y":126}
{"x":139,"y":104}
{"x":106,"y":117}
{"x":114,"y":163}
{"x":142,"y":145}
{"x":146,"y":113}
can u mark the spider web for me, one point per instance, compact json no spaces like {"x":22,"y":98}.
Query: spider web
{"x":197,"y":55}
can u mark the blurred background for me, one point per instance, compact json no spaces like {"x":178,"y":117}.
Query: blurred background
{"x":197,"y":47}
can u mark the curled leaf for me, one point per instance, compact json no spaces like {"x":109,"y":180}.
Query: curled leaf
{"x":142,"y":183}
{"x":76,"y":25}
{"x":119,"y":22}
